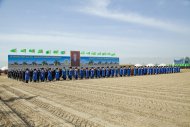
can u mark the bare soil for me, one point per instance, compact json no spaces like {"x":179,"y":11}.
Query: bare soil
{"x":143,"y":101}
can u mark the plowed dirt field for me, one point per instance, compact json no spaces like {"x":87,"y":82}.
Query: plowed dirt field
{"x":143,"y":101}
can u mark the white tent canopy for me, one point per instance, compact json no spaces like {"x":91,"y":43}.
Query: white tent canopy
{"x":163,"y":65}
{"x":4,"y":68}
{"x":138,"y":65}
{"x":150,"y":65}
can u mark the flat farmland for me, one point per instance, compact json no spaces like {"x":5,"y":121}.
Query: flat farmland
{"x":143,"y":101}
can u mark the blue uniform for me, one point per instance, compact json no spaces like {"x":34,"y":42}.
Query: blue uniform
{"x":57,"y":75}
{"x":70,"y":74}
{"x":155,"y":71}
{"x":42,"y":75}
{"x":76,"y":73}
{"x":145,"y":71}
{"x":49,"y":75}
{"x":107,"y":72}
{"x":164,"y":70}
{"x":121,"y":72}
{"x":103,"y":73}
{"x":98,"y":73}
{"x":139,"y":71}
{"x":158,"y":70}
{"x":116,"y":72}
{"x":112,"y":72}
{"x":92,"y":73}
{"x":172,"y":70}
{"x":35,"y":76}
{"x":27,"y":75}
{"x":175,"y":69}
{"x":151,"y":70}
{"x":135,"y":71}
{"x":81,"y":73}
{"x":125,"y":71}
{"x":179,"y":69}
{"x":87,"y":73}
{"x":129,"y":72}
{"x":64,"y":74}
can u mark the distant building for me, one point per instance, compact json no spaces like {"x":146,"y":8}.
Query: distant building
{"x":185,"y":60}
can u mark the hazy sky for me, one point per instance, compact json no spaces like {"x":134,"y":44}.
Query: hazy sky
{"x":133,"y":29}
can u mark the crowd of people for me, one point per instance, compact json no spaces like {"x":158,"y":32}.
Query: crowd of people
{"x":44,"y":75}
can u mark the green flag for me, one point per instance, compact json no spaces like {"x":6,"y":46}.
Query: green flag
{"x":93,"y":53}
{"x":55,"y":51}
{"x":23,"y":50}
{"x":32,"y":50}
{"x":40,"y":51}
{"x":104,"y":53}
{"x":13,"y":50}
{"x":82,"y":53}
{"x":113,"y":54}
{"x":87,"y":53}
{"x":99,"y":54}
{"x":62,"y":52}
{"x":48,"y":52}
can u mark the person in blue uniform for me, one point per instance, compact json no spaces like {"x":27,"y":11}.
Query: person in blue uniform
{"x":116,"y":71}
{"x":76,"y":73}
{"x":70,"y":73}
{"x":87,"y":73}
{"x":151,"y":70}
{"x":121,"y":71}
{"x":135,"y":73}
{"x":50,"y":75}
{"x":95,"y":72}
{"x":92,"y":73}
{"x":53,"y":74}
{"x":81,"y":73}
{"x":112,"y":72}
{"x":142,"y":70}
{"x":64,"y":73}
{"x":158,"y":70}
{"x":42,"y":74}
{"x":179,"y":69}
{"x":155,"y":70}
{"x":129,"y":71}
{"x":38,"y":74}
{"x":27,"y":76}
{"x":35,"y":75}
{"x":57,"y":77}
{"x":103,"y":72}
{"x":46,"y":74}
{"x":124,"y":71}
{"x":107,"y":72}
{"x":145,"y":70}
{"x":31,"y":74}
{"x":139,"y":71}
{"x":148,"y":71}
{"x":98,"y":72}
{"x":172,"y":69}
{"x":164,"y":70}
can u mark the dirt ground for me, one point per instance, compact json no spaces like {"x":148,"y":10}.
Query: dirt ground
{"x":143,"y":101}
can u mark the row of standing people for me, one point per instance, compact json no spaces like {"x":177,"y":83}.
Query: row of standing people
{"x":37,"y":75}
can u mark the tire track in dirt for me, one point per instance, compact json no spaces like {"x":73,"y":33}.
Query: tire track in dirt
{"x":59,"y":110}
{"x":9,"y":117}
{"x":32,"y":115}
{"x":137,"y":104}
